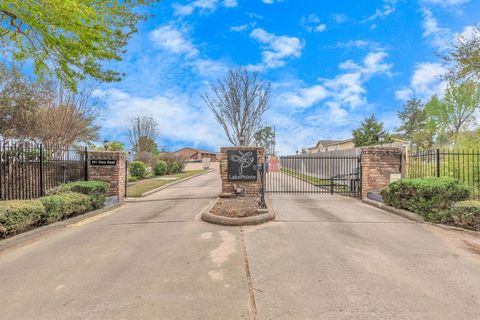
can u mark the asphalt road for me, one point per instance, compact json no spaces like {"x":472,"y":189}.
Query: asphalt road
{"x":326,"y":257}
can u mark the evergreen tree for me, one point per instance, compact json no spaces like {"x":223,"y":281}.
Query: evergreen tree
{"x":414,"y":125}
{"x":370,"y":132}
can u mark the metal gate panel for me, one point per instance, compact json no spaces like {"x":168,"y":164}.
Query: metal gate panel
{"x":314,"y":174}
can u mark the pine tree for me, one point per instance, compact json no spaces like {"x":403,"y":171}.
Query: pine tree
{"x":369,"y":133}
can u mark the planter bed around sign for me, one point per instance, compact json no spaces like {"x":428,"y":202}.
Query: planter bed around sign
{"x":238,"y":207}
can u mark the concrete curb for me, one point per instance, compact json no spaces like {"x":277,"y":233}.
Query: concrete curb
{"x":133,"y":199}
{"x":415,"y":217}
{"x":227,"y":221}
{"x":399,"y":212}
{"x":37,"y":233}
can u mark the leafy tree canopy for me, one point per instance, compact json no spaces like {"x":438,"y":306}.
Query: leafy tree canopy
{"x":69,"y":38}
{"x":265,"y":138}
{"x":465,"y":57}
{"x":115,"y":146}
{"x":370,"y":132}
{"x":456,"y":110}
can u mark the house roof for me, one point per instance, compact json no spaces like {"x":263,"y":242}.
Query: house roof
{"x":195,"y":150}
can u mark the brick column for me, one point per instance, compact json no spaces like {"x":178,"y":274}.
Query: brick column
{"x":115,"y":174}
{"x":378,"y":163}
{"x":252,"y":188}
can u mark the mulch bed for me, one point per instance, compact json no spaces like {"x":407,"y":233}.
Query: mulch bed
{"x":239,"y":207}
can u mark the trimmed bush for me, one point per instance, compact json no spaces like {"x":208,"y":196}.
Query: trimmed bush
{"x":96,"y":190}
{"x":63,"y":205}
{"x":138,"y":169}
{"x":132,"y":179}
{"x":19,"y":215}
{"x":429,"y":197}
{"x":466,"y":214}
{"x":161,"y":168}
{"x":175,"y":167}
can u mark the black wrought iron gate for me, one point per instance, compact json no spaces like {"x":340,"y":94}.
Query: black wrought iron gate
{"x":314,"y":174}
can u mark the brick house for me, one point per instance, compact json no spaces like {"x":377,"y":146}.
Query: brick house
{"x":192,"y":154}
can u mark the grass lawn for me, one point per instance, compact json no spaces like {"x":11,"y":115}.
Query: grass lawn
{"x":143,"y":186}
{"x":314,"y":180}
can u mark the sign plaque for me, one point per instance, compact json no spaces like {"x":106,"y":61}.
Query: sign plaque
{"x":241,"y":165}
{"x":103,"y":162}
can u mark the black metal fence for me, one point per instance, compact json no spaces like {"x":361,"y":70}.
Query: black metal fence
{"x":463,"y":165}
{"x":314,"y":174}
{"x":28,"y":169}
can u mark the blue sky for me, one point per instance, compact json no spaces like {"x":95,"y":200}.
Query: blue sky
{"x":331,"y":63}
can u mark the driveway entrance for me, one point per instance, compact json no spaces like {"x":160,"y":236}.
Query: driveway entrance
{"x":314,"y":174}
{"x":329,"y":257}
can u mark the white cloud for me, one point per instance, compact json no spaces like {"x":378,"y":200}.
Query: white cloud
{"x":230,"y":3}
{"x":440,"y":38}
{"x":346,"y":90}
{"x":312,"y":23}
{"x":276,"y":49}
{"x":239,"y":28}
{"x":425,"y":82}
{"x":359,"y":44}
{"x":172,"y":39}
{"x":202,"y":6}
{"x":179,"y":118}
{"x":305,"y":97}
{"x":387,"y":9}
{"x":339,"y":17}
{"x":446,"y":3}
{"x":372,"y":63}
{"x":271,"y":1}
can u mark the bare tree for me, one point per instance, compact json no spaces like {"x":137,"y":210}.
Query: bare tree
{"x":142,"y":133}
{"x":44,"y":111}
{"x":238,"y":103}
{"x":66,"y":117}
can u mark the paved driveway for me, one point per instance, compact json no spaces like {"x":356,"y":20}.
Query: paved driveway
{"x":326,"y":257}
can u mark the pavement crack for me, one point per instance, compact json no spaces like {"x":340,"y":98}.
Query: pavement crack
{"x":251,"y":294}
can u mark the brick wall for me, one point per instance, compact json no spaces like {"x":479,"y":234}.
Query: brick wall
{"x":113,"y":174}
{"x":228,"y":187}
{"x":378,"y":163}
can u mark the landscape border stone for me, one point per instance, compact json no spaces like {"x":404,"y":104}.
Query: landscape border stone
{"x":415,"y":217}
{"x":399,"y":212}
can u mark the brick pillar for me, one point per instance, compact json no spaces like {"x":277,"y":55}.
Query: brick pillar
{"x":113,"y":173}
{"x":251,"y":187}
{"x":378,"y":163}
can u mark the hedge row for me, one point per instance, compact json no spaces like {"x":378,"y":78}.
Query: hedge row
{"x":139,"y":170}
{"x":465,"y":214}
{"x":430,"y":197}
{"x":62,"y":202}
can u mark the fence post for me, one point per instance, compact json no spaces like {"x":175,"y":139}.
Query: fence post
{"x":42,"y":185}
{"x":438,"y":163}
{"x":126,"y":177}
{"x":86,"y":164}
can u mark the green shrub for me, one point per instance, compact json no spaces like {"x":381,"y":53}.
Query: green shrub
{"x":19,"y":215}
{"x":64,"y":205}
{"x":466,"y":214}
{"x":150,"y":175}
{"x":175,"y":167}
{"x":429,"y":197}
{"x":132,"y":178}
{"x":161,"y":168}
{"x":138,"y":169}
{"x":96,"y":190}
